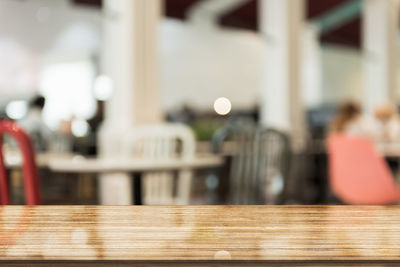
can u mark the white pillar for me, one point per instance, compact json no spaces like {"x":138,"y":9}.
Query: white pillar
{"x":281,"y":23}
{"x":129,"y":58}
{"x":311,"y":71}
{"x":380,"y":30}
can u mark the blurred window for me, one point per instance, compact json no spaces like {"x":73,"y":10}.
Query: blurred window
{"x":67,"y":87}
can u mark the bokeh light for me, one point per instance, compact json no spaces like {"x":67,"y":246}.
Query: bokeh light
{"x":17,"y":109}
{"x":222,"y":106}
{"x":103,"y":88}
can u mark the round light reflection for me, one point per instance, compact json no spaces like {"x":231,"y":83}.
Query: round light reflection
{"x":103,"y":88}
{"x":17,"y":109}
{"x":80,"y":128}
{"x":222,"y":106}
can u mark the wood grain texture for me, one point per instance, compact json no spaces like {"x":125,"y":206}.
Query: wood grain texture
{"x":200,"y":233}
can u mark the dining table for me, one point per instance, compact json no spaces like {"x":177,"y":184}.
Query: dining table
{"x":200,"y":235}
{"x":78,"y":164}
{"x":389,"y":149}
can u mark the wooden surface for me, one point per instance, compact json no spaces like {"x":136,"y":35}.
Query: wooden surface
{"x":201,"y":233}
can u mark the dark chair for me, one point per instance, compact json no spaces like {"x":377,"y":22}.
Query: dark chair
{"x":260,"y":165}
{"x":316,"y":187}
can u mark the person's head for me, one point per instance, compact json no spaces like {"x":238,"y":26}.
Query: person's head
{"x":38,"y":102}
{"x":384,"y":112}
{"x":348,"y":112}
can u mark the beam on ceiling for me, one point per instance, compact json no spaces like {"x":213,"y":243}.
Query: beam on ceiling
{"x":338,"y":16}
{"x":208,"y":11}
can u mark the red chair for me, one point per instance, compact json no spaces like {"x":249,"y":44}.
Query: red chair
{"x":30,"y":171}
{"x":358,"y":173}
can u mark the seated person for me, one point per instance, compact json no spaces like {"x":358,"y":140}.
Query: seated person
{"x":388,"y":123}
{"x":349,"y":120}
{"x":35,"y":127}
{"x":383,"y":128}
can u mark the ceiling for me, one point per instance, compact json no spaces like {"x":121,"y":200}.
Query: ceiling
{"x":245,"y":17}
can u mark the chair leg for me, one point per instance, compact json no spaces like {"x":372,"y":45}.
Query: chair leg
{"x":4,"y":187}
{"x":184,"y":187}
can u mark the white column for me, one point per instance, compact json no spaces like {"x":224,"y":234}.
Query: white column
{"x":311,"y":71}
{"x":380,"y":30}
{"x":281,"y":23}
{"x":130,"y":59}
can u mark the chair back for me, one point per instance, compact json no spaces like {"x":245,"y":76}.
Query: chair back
{"x":163,"y":142}
{"x":30,"y":171}
{"x":259,"y":167}
{"x":358,"y":173}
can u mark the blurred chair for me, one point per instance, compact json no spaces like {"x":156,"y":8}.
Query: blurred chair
{"x":260,"y":166}
{"x":318,"y":119}
{"x":358,"y":174}
{"x":315,"y":180}
{"x":29,"y":165}
{"x":164,"y":141}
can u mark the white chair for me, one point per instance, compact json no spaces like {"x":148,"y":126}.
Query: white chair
{"x":162,"y":141}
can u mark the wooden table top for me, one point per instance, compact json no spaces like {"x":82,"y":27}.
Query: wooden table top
{"x":204,"y":233}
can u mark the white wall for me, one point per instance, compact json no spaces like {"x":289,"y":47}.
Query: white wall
{"x":43,"y":25}
{"x":342,"y":74}
{"x":33,"y":29}
{"x":197,"y":66}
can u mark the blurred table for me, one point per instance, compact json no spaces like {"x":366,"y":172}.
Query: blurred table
{"x":133,"y":166}
{"x":103,"y":165}
{"x":386,"y":149}
{"x":80,"y":164}
{"x":389,"y":150}
{"x":200,"y":235}
{"x":70,"y":163}
{"x":13,"y":159}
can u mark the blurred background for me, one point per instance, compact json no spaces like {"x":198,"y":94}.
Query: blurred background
{"x":245,"y":92}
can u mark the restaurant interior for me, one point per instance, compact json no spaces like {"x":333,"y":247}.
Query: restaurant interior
{"x":253,"y":108}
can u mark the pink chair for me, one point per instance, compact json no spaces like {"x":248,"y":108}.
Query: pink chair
{"x":358,"y":173}
{"x":29,"y":165}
